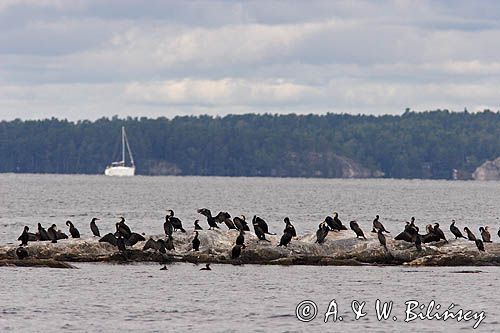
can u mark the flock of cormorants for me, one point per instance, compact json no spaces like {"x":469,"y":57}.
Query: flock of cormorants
{"x":123,"y":236}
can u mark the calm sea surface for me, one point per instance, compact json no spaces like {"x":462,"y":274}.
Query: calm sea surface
{"x":140,"y":297}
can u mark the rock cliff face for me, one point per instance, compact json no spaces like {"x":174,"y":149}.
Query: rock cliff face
{"x":489,"y":170}
{"x":340,"y":248}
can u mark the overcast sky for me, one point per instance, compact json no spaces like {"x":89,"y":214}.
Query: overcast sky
{"x":84,"y":59}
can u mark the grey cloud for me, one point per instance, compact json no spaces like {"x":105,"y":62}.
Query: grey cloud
{"x":86,"y":59}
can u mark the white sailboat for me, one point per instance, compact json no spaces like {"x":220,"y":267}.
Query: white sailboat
{"x":119,"y":168}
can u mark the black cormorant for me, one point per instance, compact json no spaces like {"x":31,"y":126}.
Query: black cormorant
{"x":377,"y":225}
{"x":226,"y":218}
{"x":381,"y":239}
{"x":52,"y":233}
{"x":212,"y":223}
{"x":321,"y":233}
{"x":157,"y":245}
{"x":455,"y":231}
{"x":236,"y":251}
{"x":94,"y":228}
{"x":286,"y":238}
{"x":42,"y":233}
{"x":176,"y":222}
{"x":439,"y":232}
{"x":418,"y":242}
{"x":470,"y":235}
{"x":73,"y":230}
{"x":123,"y":228}
{"x":120,"y":243}
{"x":196,"y":242}
{"x":289,"y":227}
{"x":262,"y":224}
{"x":485,"y":234}
{"x":197,"y":225}
{"x":240,"y":240}
{"x":206,"y":268}
{"x":241,"y":223}
{"x":24,"y":238}
{"x":479,"y":244}
{"x":355,"y":227}
{"x":109,"y":238}
{"x":168,"y":227}
{"x":258,"y":230}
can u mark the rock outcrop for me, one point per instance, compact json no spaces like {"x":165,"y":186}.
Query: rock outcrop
{"x":340,"y":248}
{"x":489,"y":170}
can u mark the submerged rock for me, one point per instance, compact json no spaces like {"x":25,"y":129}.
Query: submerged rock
{"x":51,"y":263}
{"x":339,"y":248}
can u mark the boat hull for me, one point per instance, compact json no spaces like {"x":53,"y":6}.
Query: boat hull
{"x":120,"y":171}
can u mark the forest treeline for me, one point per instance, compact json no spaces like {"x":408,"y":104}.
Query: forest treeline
{"x":412,"y":145}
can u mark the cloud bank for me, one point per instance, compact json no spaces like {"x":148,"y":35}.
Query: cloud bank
{"x":88,"y":59}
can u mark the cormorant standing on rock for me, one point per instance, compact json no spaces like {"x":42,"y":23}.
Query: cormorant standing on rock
{"x":412,"y":225}
{"x":418,"y":243}
{"x":206,"y":268}
{"x":168,"y":227}
{"x":72,"y":230}
{"x":262,"y":224}
{"x":485,"y":234}
{"x":240,"y":240}
{"x":355,"y":227}
{"x":212,"y":223}
{"x":42,"y":233}
{"x":479,"y":244}
{"x":21,"y":253}
{"x":377,"y":225}
{"x":455,"y":231}
{"x":286,"y":238}
{"x":226,"y":218}
{"x":321,"y":233}
{"x":94,"y":228}
{"x":109,"y":238}
{"x":52,"y":233}
{"x":289,"y":227}
{"x":123,"y":228}
{"x":176,"y":223}
{"x":241,"y":223}
{"x":406,"y":235}
{"x":134,"y":239}
{"x":258,"y":231}
{"x":238,"y":223}
{"x":381,"y":239}
{"x":158,"y":245}
{"x":431,"y":235}
{"x":338,"y":222}
{"x":120,"y":243}
{"x":439,"y":232}
{"x":24,"y":238}
{"x":196,"y":242}
{"x":197,"y":226}
{"x":332,"y":224}
{"x":236,"y":251}
{"x":470,"y":235}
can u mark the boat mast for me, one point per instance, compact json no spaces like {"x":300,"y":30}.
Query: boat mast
{"x":128,"y":148}
{"x":123,"y":145}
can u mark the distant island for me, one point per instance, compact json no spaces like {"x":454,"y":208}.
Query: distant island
{"x":430,"y":145}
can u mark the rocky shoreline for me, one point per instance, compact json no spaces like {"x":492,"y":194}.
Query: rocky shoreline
{"x":339,"y":248}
